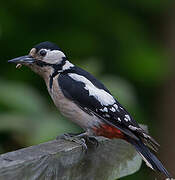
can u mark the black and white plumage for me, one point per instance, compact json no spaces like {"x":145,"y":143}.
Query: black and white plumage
{"x":87,"y":102}
{"x":90,"y":94}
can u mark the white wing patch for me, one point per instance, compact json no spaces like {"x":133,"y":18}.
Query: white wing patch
{"x":105,"y":109}
{"x":127,"y":118}
{"x":119,"y":119}
{"x":116,"y":106}
{"x":112,"y":109}
{"x":147,"y":163}
{"x":102,"y":96}
{"x":133,"y":128}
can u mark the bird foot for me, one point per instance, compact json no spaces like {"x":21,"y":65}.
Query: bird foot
{"x":77,"y":138}
{"x":93,"y":140}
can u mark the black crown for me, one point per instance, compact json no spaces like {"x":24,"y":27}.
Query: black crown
{"x":47,"y":45}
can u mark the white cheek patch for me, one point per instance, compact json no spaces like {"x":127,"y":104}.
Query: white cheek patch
{"x":54,"y":56}
{"x":102,"y":96}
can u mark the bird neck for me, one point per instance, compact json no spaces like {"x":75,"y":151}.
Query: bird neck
{"x":46,"y":70}
{"x":49,"y":71}
{"x":67,"y":66}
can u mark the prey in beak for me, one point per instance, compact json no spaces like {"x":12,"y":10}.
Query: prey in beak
{"x":23,"y":60}
{"x":18,"y":66}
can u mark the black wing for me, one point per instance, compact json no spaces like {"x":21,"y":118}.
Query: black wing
{"x":112,"y":113}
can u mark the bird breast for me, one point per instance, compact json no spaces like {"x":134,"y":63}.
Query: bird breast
{"x":69,"y":109}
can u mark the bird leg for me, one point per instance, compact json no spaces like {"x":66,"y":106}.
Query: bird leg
{"x":79,"y":138}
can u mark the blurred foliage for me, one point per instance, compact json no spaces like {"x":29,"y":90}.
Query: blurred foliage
{"x":118,"y":41}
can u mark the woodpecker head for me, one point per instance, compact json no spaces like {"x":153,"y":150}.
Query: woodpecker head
{"x":43,"y":58}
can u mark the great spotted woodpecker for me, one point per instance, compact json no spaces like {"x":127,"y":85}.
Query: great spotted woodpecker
{"x":86,"y":101}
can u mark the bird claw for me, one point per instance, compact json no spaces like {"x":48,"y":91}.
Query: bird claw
{"x":93,"y":140}
{"x":77,"y":138}
{"x":81,"y":139}
{"x":82,"y":142}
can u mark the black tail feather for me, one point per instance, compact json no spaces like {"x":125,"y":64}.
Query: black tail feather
{"x":150,"y":159}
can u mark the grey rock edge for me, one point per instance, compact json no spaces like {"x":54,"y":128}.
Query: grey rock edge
{"x":64,"y":160}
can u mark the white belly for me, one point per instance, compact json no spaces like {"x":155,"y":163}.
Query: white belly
{"x":70,"y":109}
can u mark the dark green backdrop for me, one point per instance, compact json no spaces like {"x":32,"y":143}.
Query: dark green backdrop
{"x":123,"y":43}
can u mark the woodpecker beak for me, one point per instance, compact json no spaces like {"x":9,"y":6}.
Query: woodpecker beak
{"x":22,"y":60}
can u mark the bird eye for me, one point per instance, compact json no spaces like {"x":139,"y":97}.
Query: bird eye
{"x":42,"y":52}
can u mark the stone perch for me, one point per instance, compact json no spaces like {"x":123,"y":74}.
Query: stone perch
{"x":64,"y":160}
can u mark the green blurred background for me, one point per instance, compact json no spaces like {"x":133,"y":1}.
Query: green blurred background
{"x":128,"y":45}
